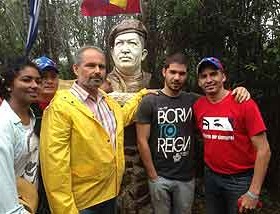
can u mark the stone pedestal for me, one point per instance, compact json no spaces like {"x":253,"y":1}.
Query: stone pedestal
{"x":134,"y":196}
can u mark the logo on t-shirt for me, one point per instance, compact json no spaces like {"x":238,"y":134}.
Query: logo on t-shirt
{"x":217,"y":123}
{"x":170,"y":121}
{"x":223,"y":124}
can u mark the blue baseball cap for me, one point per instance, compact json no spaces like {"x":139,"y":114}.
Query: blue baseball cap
{"x":45,"y":64}
{"x":212,"y":61}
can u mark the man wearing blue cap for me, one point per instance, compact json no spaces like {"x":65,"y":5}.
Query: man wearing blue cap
{"x":49,"y":74}
{"x":236,"y":150}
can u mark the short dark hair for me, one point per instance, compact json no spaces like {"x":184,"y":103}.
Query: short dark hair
{"x":10,"y":72}
{"x":177,"y":57}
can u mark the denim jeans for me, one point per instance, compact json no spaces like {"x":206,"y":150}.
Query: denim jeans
{"x":171,"y":196}
{"x":223,"y":191}
{"x":106,"y":207}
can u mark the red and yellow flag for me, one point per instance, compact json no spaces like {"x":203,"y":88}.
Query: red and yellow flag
{"x":109,"y":7}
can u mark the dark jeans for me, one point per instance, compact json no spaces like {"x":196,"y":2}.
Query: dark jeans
{"x":223,"y":191}
{"x":106,"y":207}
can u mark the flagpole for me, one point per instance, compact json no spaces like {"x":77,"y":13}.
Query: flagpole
{"x":141,"y":7}
{"x":34,"y":11}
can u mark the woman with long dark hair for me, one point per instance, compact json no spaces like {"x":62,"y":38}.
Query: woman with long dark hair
{"x":19,"y":158}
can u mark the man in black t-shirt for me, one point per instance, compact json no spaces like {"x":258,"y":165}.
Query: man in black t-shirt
{"x":165,"y":140}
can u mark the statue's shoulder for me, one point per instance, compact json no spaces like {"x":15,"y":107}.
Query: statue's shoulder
{"x":112,"y":72}
{"x":116,"y":82}
{"x":112,"y":76}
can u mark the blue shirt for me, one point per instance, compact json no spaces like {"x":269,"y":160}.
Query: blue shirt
{"x":12,"y":143}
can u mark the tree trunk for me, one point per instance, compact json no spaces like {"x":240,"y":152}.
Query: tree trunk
{"x":25,"y":17}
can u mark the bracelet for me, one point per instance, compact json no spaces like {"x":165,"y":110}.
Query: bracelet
{"x":252,"y":195}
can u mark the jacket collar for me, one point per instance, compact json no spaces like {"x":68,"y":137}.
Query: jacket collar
{"x":82,"y":94}
{"x":9,"y":111}
{"x":5,"y":106}
{"x":69,"y":97}
{"x":72,"y":99}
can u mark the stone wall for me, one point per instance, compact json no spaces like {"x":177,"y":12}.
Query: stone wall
{"x":134,"y":196}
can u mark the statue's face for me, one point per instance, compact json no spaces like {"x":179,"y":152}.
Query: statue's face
{"x":128,"y":51}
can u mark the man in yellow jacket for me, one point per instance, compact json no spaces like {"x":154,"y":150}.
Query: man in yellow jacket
{"x":81,"y":150}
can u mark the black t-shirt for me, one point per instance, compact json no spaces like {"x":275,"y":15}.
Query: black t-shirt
{"x":172,"y":133}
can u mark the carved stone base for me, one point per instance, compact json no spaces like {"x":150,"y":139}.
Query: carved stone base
{"x":134,"y":196}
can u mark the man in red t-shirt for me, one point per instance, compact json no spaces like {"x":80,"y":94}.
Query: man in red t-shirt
{"x":236,"y":150}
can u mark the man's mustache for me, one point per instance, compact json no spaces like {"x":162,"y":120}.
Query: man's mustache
{"x":96,"y":77}
{"x":95,"y":80}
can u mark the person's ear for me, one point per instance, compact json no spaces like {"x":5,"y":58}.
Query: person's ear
{"x":111,"y":51}
{"x":199,"y":83}
{"x":75,"y":68}
{"x":112,"y":54}
{"x":224,"y":77}
{"x":144,"y":54}
{"x":163,"y":71}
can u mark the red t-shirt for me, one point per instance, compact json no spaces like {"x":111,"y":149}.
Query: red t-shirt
{"x":43,"y":105}
{"x":226,"y":128}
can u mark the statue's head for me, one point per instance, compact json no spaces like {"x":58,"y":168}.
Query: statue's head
{"x":127,"y":44}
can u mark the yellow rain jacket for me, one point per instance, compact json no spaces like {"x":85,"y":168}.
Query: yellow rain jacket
{"x":79,"y":165}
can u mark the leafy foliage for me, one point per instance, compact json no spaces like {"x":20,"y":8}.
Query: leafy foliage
{"x":244,"y":34}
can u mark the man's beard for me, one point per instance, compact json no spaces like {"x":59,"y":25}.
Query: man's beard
{"x":94,"y":82}
{"x":175,"y":89}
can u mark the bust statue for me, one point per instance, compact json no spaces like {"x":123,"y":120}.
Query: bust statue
{"x":126,"y":41}
{"x":127,"y":47}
